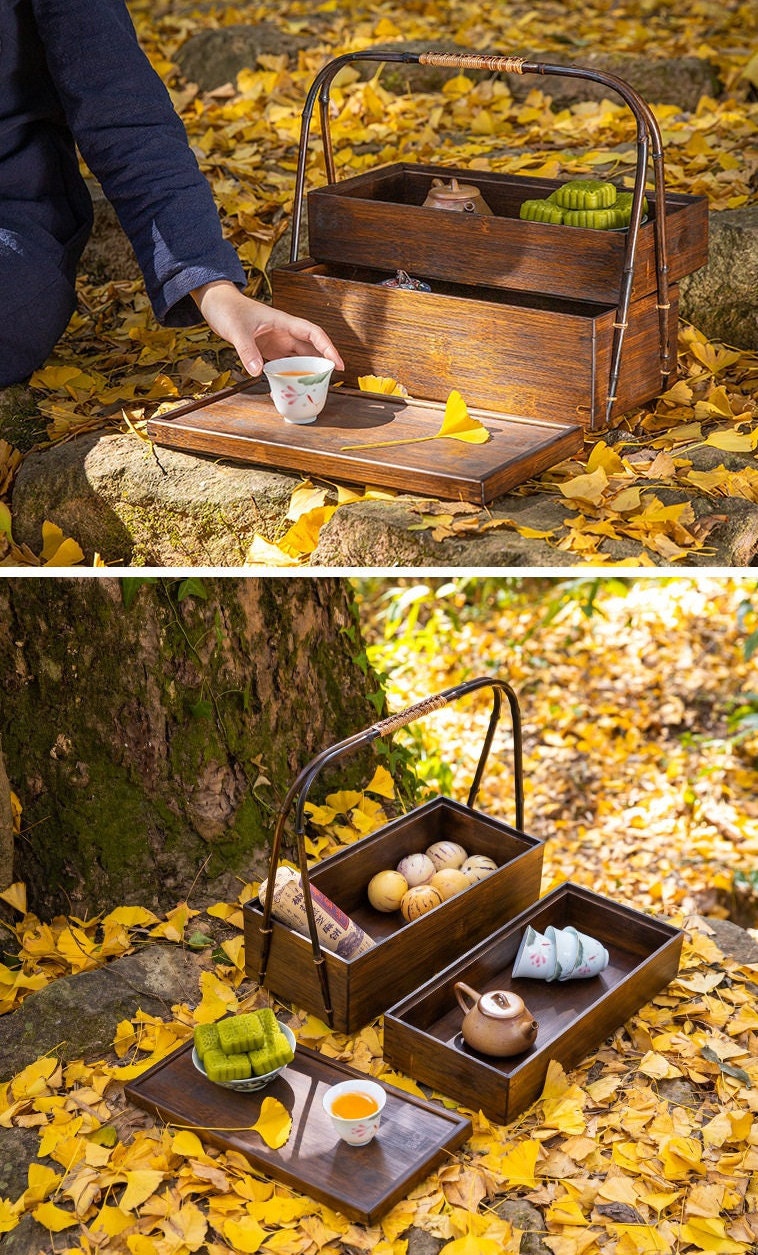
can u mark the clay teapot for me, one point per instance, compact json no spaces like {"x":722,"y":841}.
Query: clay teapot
{"x":495,"y":1023}
{"x":463,"y":197}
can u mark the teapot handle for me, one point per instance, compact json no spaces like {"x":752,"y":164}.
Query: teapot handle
{"x":462,"y":993}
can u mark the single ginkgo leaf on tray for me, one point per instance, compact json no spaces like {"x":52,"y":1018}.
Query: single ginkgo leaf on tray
{"x":457,"y":424}
{"x":274,"y":1123}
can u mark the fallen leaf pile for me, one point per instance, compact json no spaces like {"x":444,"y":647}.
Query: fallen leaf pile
{"x":649,"y":1145}
{"x":115,"y":367}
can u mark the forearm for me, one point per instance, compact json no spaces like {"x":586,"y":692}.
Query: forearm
{"x":133,"y":141}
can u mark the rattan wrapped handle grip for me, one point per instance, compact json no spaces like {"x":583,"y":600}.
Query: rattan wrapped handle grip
{"x":403,"y":717}
{"x":474,"y":61}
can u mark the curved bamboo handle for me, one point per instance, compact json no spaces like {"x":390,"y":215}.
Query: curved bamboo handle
{"x":384,"y":727}
{"x":647,"y":131}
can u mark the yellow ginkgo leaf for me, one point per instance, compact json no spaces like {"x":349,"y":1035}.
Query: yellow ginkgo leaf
{"x":262,"y":553}
{"x":304,"y":499}
{"x":382,"y":384}
{"x":140,"y":1184}
{"x":274,"y":1123}
{"x":245,"y":1236}
{"x":471,"y":1244}
{"x":234,"y":949}
{"x":381,"y":783}
{"x":343,"y":801}
{"x":517,"y":1166}
{"x":130,"y":916}
{"x":15,"y":896}
{"x":459,"y":424}
{"x":10,"y":1214}
{"x":54,"y":1218}
{"x":5,"y":520}
{"x":586,"y":487}
{"x":302,"y":537}
{"x":733,"y":441}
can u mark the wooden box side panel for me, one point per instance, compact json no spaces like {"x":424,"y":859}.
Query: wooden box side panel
{"x":507,"y":358}
{"x":291,"y":972}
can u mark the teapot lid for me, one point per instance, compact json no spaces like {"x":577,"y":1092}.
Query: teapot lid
{"x":453,"y":190}
{"x":501,"y":1005}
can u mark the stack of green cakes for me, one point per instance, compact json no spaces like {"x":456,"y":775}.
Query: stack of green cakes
{"x":583,"y":203}
{"x":242,"y":1046}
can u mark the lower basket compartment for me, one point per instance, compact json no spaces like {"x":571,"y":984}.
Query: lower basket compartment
{"x":505,"y":351}
{"x":405,"y":954}
{"x":422,"y":1034}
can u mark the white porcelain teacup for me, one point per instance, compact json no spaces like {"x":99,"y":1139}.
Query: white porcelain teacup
{"x":593,"y":956}
{"x":299,"y":386}
{"x":536,"y":956}
{"x":567,"y":950}
{"x":355,"y":1109}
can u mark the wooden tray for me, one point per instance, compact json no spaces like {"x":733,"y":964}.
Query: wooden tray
{"x":244,"y":425}
{"x":404,"y":954}
{"x":514,"y":353}
{"x":378,"y":219}
{"x":362,"y":1182}
{"x":422,"y":1033}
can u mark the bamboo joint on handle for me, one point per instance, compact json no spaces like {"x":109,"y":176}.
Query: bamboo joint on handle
{"x":474,"y":61}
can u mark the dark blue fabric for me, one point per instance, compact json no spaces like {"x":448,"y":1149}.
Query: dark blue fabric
{"x":72,"y":70}
{"x":37,"y":299}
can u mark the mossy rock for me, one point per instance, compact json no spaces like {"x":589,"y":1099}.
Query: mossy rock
{"x":21,"y":423}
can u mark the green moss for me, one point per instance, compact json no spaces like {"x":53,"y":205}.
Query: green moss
{"x":209,"y":521}
{"x":21,"y":423}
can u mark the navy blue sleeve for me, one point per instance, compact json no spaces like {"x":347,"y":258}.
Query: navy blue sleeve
{"x":130,"y":136}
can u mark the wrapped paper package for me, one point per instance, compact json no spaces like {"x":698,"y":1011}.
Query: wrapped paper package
{"x":336,"y":931}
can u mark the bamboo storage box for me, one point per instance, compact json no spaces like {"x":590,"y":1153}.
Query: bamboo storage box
{"x":523,"y":317}
{"x":351,"y":992}
{"x":534,"y":356}
{"x":378,"y":219}
{"x":422,"y":1032}
{"x":405,"y":954}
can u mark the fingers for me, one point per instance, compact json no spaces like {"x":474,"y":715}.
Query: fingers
{"x":306,"y":336}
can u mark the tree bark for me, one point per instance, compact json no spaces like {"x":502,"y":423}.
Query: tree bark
{"x":152,"y":727}
{"x":6,"y":826}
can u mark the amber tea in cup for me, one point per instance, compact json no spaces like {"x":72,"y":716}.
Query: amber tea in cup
{"x":354,"y":1106}
{"x":355,"y":1109}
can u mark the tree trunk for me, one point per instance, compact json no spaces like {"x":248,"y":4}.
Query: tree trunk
{"x":151,"y":727}
{"x":6,"y":826}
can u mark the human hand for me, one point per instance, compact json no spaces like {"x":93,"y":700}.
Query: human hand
{"x":259,"y":332}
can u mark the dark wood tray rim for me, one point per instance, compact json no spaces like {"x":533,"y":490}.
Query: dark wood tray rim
{"x":361,"y":1200}
{"x":351,"y":185}
{"x":475,"y":473}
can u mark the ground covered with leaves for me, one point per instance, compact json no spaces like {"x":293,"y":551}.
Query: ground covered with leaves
{"x":115,"y":367}
{"x":640,"y":712}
